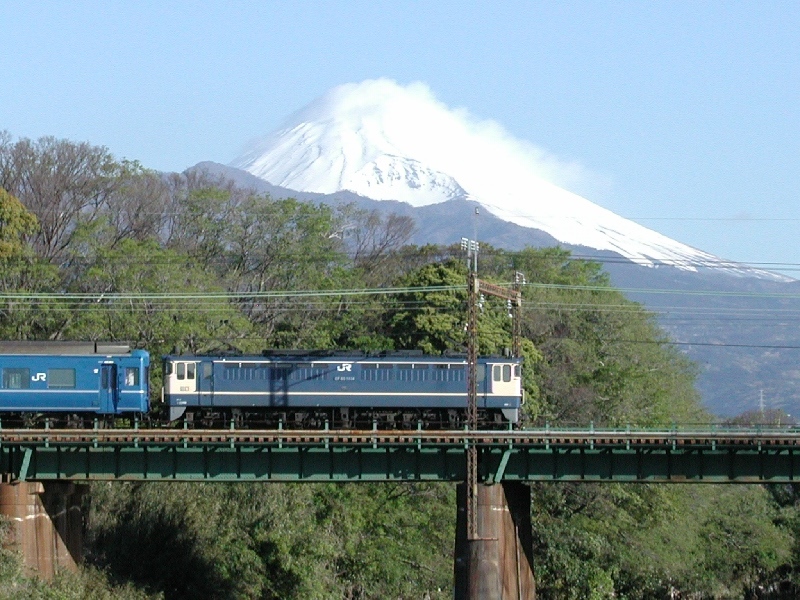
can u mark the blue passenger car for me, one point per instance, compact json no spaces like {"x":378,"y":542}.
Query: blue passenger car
{"x":304,"y":389}
{"x":73,"y":379}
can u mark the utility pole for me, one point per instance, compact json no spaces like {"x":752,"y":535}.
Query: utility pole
{"x":471,"y":246}
{"x":516,"y":320}
{"x":484,"y":580}
{"x":476,"y":288}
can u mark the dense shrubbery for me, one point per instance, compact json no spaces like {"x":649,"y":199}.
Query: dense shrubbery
{"x":89,"y":583}
{"x":283,"y":541}
{"x":107,"y":226}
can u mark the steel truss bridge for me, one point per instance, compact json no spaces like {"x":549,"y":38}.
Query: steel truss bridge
{"x":588,"y":455}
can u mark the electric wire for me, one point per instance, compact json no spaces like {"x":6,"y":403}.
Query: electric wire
{"x":288,"y":301}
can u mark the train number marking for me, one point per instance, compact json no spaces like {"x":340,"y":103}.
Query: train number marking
{"x":39,"y":377}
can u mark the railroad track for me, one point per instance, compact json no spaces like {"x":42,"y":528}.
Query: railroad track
{"x":532,"y":437}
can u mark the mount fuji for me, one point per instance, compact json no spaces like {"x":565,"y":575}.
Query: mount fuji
{"x":384,"y":141}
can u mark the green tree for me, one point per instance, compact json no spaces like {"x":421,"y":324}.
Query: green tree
{"x":154,"y":297}
{"x":16,"y":223}
{"x":22,"y":273}
{"x":139,"y":207}
{"x":604,"y":358}
{"x":431,"y":314}
{"x":431,"y":320}
{"x":641,"y":542}
{"x":283,"y":245}
{"x":298,"y":541}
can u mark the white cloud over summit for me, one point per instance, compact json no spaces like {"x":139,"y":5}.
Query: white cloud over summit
{"x":410,"y":121}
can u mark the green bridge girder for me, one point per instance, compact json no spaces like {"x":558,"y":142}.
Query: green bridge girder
{"x":711,"y":456}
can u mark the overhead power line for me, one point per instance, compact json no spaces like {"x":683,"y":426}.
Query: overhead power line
{"x":320,"y":300}
{"x":232,"y":295}
{"x":103,"y":296}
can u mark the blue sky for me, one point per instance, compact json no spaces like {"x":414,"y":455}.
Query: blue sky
{"x":683,"y":115}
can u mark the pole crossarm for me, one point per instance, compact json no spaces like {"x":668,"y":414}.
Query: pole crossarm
{"x":708,"y":456}
{"x":490,"y":289}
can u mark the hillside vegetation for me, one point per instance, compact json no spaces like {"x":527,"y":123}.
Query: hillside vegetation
{"x":75,"y":220}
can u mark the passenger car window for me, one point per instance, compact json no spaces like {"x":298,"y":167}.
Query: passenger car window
{"x":61,"y":378}
{"x":131,"y":376}
{"x":16,"y":379}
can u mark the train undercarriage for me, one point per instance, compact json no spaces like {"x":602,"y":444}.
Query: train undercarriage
{"x":340,"y":418}
{"x":238,"y":418}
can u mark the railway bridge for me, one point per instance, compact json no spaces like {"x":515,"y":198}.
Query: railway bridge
{"x":44,"y":473}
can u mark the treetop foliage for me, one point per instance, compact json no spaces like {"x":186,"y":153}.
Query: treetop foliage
{"x":15,"y":224}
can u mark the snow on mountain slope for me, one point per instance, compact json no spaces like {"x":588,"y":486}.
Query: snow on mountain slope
{"x":390,"y":142}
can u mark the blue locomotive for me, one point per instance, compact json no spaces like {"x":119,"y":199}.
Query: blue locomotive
{"x":72,"y":381}
{"x":342,"y":391}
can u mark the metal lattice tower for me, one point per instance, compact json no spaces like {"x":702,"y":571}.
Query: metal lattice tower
{"x":472,"y":407}
{"x":516,"y":310}
{"x":471,"y":246}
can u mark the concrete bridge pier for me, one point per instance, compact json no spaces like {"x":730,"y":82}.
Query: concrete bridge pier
{"x":46,"y":524}
{"x":499,"y":564}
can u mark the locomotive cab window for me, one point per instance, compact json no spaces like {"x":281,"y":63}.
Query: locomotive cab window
{"x":16,"y":379}
{"x":185,"y":370}
{"x":501,"y":373}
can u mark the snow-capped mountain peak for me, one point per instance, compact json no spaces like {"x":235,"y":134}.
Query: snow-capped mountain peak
{"x":391,"y":142}
{"x":401,"y":178}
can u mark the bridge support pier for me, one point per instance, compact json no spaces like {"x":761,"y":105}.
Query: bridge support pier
{"x":46,"y":524}
{"x":499,"y":564}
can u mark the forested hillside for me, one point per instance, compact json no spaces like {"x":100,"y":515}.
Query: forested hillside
{"x":94,"y":248}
